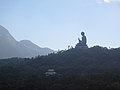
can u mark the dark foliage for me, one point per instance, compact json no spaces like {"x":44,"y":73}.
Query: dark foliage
{"x":95,"y":60}
{"x":37,"y":82}
{"x":95,"y":68}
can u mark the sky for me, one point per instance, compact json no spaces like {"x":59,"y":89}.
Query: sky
{"x":58,"y":23}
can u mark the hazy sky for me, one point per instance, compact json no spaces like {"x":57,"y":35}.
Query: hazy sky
{"x":58,"y":23}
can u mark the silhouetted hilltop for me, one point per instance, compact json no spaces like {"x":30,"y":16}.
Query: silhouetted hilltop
{"x":95,"y":68}
{"x":94,"y":60}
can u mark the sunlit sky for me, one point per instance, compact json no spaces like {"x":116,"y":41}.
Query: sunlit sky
{"x":58,"y":23}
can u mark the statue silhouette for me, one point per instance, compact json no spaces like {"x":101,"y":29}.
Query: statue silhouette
{"x":82,"y":43}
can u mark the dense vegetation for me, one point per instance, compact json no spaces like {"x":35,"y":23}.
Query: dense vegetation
{"x":37,"y":82}
{"x":95,"y":68}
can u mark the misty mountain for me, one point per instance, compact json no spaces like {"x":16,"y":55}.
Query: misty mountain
{"x":9,"y":47}
{"x":33,"y":47}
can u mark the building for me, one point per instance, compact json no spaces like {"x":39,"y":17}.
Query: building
{"x":50,"y":72}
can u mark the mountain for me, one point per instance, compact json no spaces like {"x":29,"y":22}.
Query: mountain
{"x":33,"y":47}
{"x":9,"y":47}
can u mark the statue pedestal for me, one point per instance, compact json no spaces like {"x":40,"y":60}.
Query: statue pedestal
{"x":81,"y":46}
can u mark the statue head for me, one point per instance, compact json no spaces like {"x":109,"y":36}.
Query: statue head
{"x":82,"y":33}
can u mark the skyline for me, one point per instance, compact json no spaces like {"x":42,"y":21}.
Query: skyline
{"x":57,"y":23}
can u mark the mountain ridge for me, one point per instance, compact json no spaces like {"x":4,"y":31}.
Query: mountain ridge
{"x":10,"y":47}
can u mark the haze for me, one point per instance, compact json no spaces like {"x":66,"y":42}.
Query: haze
{"x":58,"y":23}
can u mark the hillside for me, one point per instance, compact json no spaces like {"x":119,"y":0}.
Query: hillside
{"x":95,"y":68}
{"x":9,"y":47}
{"x":94,"y":60}
{"x":33,"y":47}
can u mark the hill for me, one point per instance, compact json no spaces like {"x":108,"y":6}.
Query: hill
{"x":9,"y":47}
{"x":33,"y":47}
{"x":95,"y":68}
{"x":94,"y":60}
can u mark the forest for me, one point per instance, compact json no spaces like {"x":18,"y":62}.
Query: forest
{"x":95,"y":68}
